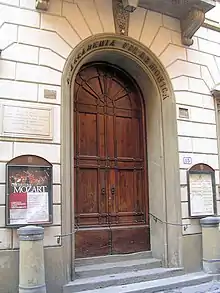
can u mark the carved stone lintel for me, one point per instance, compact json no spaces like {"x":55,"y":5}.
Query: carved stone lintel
{"x":42,"y":4}
{"x":190,"y":24}
{"x":121,"y":17}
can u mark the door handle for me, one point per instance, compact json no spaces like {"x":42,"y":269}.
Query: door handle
{"x":103,"y":191}
{"x":113,"y":190}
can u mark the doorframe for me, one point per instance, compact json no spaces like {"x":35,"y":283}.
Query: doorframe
{"x":95,"y":48}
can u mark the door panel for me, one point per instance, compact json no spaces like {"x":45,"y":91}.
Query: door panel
{"x":87,"y":186}
{"x":92,"y":243}
{"x":91,"y":201}
{"x":109,"y":163}
{"x":110,"y":141}
{"x":125,"y":195}
{"x":87,"y":134}
{"x":124,"y":136}
{"x":128,"y":202}
{"x":130,"y":239}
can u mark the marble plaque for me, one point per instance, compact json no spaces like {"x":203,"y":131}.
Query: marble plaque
{"x":201,"y":195}
{"x":27,"y":122}
{"x":50,"y":94}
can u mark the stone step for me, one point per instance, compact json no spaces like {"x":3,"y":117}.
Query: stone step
{"x":209,"y":287}
{"x":112,"y":258}
{"x":163,"y":285}
{"x":120,"y":279}
{"x":117,"y":267}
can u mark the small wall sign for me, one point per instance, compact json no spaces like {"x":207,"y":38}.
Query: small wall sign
{"x":28,"y":191}
{"x":184,"y":113}
{"x":201,"y":191}
{"x":187,"y":160}
{"x":50,"y":94}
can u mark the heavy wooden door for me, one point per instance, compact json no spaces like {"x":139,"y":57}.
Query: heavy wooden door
{"x":110,"y":200}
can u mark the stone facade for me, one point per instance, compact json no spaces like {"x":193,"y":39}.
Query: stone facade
{"x":34,"y":48}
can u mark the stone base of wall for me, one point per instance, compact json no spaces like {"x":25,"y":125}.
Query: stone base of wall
{"x":192,"y":252}
{"x":9,"y":270}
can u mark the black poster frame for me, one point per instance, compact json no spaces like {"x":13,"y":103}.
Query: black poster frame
{"x":201,"y":172}
{"x":20,"y":168}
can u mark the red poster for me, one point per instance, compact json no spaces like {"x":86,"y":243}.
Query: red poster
{"x":18,"y":200}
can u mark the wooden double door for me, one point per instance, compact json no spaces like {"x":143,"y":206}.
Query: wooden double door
{"x":110,"y":196}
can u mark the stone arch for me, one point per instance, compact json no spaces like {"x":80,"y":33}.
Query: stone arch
{"x":163,"y":163}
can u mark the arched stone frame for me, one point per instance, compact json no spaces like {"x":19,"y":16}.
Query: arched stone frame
{"x":163,"y":162}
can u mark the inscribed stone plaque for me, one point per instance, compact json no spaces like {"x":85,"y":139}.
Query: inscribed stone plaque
{"x":201,"y":195}
{"x":50,"y":94}
{"x":27,"y":122}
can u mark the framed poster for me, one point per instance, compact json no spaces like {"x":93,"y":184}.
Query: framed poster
{"x":28,"y":194}
{"x":201,"y":191}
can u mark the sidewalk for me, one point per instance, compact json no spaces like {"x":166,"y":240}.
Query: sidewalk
{"x":211,"y":287}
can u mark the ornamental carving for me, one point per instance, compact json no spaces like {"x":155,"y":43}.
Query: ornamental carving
{"x":190,"y":24}
{"x":42,"y":4}
{"x":121,"y":17}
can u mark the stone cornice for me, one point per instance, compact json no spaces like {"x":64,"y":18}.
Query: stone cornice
{"x":42,"y":4}
{"x":190,"y":24}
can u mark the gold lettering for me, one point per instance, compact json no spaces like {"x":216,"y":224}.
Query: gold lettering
{"x":130,"y":48}
{"x":83,"y":52}
{"x":103,"y":43}
{"x":92,"y":46}
{"x":112,"y":43}
{"x":163,"y":84}
{"x":133,"y":49}
{"x":142,"y":55}
{"x":165,"y":89}
{"x":165,"y":96}
{"x":125,"y":45}
{"x":95,"y":45}
{"x":160,"y":78}
{"x":147,"y":60}
{"x":157,"y":73}
{"x":153,"y":67}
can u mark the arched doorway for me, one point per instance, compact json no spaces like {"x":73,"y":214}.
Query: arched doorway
{"x":111,"y":194}
{"x":160,"y":131}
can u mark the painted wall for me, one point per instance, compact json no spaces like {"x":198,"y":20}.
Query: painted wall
{"x":34,"y":48}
